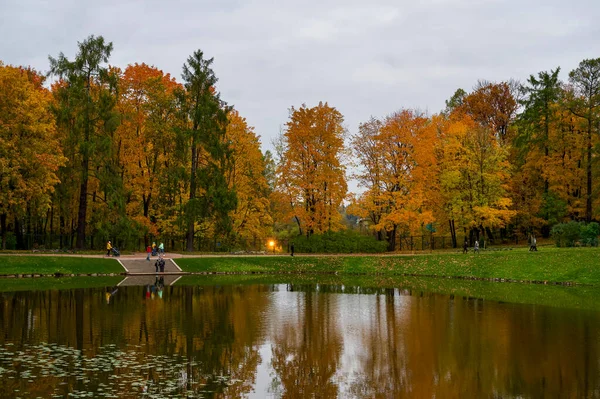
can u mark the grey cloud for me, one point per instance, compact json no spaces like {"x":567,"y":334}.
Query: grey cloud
{"x":365,"y":58}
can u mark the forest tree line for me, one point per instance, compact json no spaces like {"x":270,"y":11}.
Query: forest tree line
{"x":91,"y":152}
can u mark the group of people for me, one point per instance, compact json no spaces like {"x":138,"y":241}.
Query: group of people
{"x":532,"y":246}
{"x":155,"y":250}
{"x":466,"y":246}
{"x":150,"y":250}
{"x":160,"y":264}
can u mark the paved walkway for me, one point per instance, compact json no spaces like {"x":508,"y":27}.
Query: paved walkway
{"x":137,"y":265}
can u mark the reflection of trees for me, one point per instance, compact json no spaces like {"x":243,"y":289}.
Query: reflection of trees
{"x":463,"y":347}
{"x":405,"y":344}
{"x":216,"y":329}
{"x":306,"y":351}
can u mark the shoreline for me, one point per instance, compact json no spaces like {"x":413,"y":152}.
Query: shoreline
{"x":554,"y":266}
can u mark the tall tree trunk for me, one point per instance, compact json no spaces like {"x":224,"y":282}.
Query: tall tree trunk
{"x":453,"y":233}
{"x":62,"y":230}
{"x":82,"y":213}
{"x":190,"y":227}
{"x":19,"y":234}
{"x":146,"y":204}
{"x":588,"y":199}
{"x":391,"y":238}
{"x":299,"y":225}
{"x":546,"y":152}
{"x":3,"y":229}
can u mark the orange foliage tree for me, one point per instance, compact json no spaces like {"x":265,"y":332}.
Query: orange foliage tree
{"x":30,"y":154}
{"x":251,"y":219}
{"x":493,"y":105}
{"x":310,"y":173}
{"x":144,"y":141}
{"x":370,"y":206}
{"x":399,"y":168}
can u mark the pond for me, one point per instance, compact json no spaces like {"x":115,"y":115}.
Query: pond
{"x":215,"y":338}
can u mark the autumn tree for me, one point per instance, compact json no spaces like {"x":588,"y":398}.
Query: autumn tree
{"x":492,"y":105}
{"x":145,"y":143}
{"x":30,"y":154}
{"x":585,"y":104}
{"x":204,"y":123}
{"x":366,"y":148}
{"x":85,"y":103}
{"x":398,"y":160}
{"x":456,"y":101}
{"x":311,"y":174}
{"x":251,"y":218}
{"x":538,"y":126}
{"x":473,"y":175}
{"x":565,"y":170}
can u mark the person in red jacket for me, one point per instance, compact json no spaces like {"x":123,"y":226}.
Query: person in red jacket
{"x":148,"y":251}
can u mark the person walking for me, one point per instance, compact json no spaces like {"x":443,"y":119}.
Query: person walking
{"x":161,"y":248}
{"x":533,"y":246}
{"x":108,"y":248}
{"x":292,"y":249}
{"x":148,"y":251}
{"x":465,"y":247}
{"x":476,"y":247}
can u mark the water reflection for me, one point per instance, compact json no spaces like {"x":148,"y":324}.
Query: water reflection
{"x":289,"y":341}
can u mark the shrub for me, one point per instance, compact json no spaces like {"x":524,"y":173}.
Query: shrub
{"x":346,"y":242}
{"x":589,"y":234}
{"x":575,"y":233}
{"x":11,"y":240}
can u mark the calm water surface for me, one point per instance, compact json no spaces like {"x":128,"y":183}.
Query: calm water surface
{"x":290,"y":341}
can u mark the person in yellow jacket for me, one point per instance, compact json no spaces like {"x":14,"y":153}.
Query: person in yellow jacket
{"x":108,"y":248}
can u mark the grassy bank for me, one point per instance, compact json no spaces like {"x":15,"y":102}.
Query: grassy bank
{"x":58,"y":283}
{"x":57,"y":264}
{"x":552,"y":265}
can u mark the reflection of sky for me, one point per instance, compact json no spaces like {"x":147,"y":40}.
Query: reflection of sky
{"x":355,"y":316}
{"x":264,"y":374}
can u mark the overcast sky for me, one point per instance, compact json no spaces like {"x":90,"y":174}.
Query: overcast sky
{"x":365,"y":58}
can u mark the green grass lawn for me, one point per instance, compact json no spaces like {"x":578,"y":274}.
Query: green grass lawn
{"x":575,"y":265}
{"x":57,"y":283}
{"x":57,"y":264}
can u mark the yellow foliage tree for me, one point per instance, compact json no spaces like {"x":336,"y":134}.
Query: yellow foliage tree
{"x":399,"y":166}
{"x":251,"y":219}
{"x":474,"y":173}
{"x":144,"y":142}
{"x":310,"y":173}
{"x":30,"y":154}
